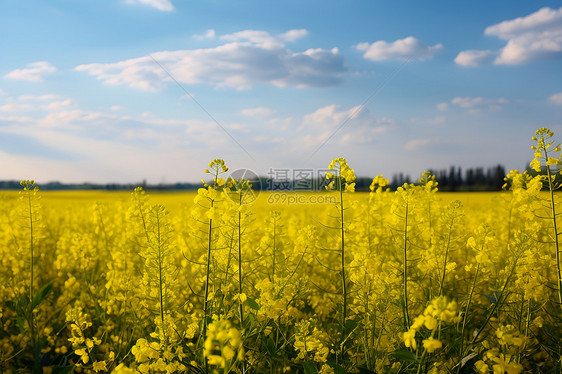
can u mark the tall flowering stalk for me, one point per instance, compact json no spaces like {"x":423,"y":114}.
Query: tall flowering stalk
{"x":342,"y":180}
{"x":29,"y":199}
{"x":405,"y":199}
{"x":544,"y":150}
{"x":210,"y":196}
{"x":243,"y":195}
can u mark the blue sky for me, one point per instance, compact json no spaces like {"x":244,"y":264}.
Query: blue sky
{"x":88,"y":88}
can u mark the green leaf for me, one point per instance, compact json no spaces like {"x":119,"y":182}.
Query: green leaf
{"x":365,"y":371}
{"x":339,"y":370}
{"x":252,"y":304}
{"x":62,"y":369}
{"x":350,"y":325}
{"x":41,"y":294}
{"x":270,"y":346}
{"x":491,"y":299}
{"x":251,"y":321}
{"x":20,"y":320}
{"x":309,"y":368}
{"x":404,"y":355}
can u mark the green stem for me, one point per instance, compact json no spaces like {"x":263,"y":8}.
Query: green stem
{"x":446,"y":255}
{"x":36,"y":364}
{"x":422,"y":359}
{"x":273,"y":254}
{"x":551,"y":189}
{"x":497,"y":302}
{"x":207,"y":275}
{"x":344,"y":285}
{"x":160,"y":277}
{"x":465,"y":317}
{"x":240,"y":289}
{"x":406,"y":313}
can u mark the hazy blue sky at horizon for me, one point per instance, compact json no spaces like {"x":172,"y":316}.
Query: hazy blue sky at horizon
{"x":418,"y":85}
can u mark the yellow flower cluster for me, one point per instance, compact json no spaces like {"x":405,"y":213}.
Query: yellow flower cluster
{"x":84,"y":346}
{"x":223,"y":346}
{"x":542,"y":149}
{"x":308,"y":343}
{"x":153,"y":357}
{"x":379,"y":182}
{"x":343,"y":176}
{"x":439,"y":311}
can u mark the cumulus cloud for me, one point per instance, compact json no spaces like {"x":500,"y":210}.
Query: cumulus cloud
{"x":163,"y":5}
{"x":30,"y":104}
{"x":52,"y":133}
{"x":292,"y":35}
{"x":544,"y":20}
{"x":209,"y":34}
{"x":33,"y":72}
{"x":556,"y":98}
{"x":257,"y":112}
{"x":100,"y":145}
{"x":247,"y":58}
{"x":442,"y":106}
{"x":420,"y":142}
{"x":475,"y":104}
{"x":409,"y":47}
{"x":474,"y":57}
{"x":536,"y":36}
{"x":361,"y":125}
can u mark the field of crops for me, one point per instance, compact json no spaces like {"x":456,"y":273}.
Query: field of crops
{"x":217,"y":281}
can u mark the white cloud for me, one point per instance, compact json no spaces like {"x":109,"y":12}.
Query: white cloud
{"x":474,"y":57}
{"x":76,"y":144}
{"x":420,"y":142}
{"x":356,"y":125}
{"x":533,"y":37}
{"x":163,"y":5}
{"x":545,"y":19}
{"x":282,"y":123}
{"x":33,"y":72}
{"x":2,"y":92}
{"x":556,"y":98}
{"x":30,"y":104}
{"x":476,"y":103}
{"x":59,"y":140}
{"x":257,"y":112}
{"x":442,"y":106}
{"x":209,"y":34}
{"x":330,"y":116}
{"x":264,"y":38}
{"x":267,"y":139}
{"x":292,"y":35}
{"x":409,"y":47}
{"x":248,"y":58}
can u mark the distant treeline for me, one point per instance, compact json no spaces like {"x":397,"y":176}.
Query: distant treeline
{"x":453,"y":179}
{"x":473,"y":179}
{"x":52,"y":186}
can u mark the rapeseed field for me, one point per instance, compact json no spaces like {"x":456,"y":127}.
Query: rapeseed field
{"x":226,"y":280}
